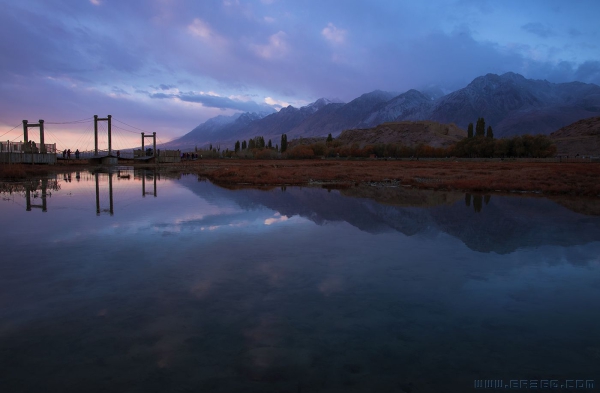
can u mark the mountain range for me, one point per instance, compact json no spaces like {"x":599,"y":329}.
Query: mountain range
{"x":510,"y":103}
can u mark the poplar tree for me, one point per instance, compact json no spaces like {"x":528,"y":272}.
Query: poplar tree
{"x":480,"y":127}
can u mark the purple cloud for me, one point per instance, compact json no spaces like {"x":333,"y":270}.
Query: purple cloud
{"x":145,"y":60}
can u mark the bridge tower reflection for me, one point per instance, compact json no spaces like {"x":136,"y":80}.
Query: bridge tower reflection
{"x":44,"y":190}
{"x":143,"y":175}
{"x":123,"y":175}
{"x":110,"y":193}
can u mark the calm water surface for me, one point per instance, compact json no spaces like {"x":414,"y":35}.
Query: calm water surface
{"x":105,"y":287}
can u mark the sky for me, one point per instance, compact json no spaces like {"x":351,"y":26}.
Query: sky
{"x":166,"y":66}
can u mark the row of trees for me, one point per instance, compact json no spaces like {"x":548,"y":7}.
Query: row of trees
{"x":259,"y":143}
{"x":254,"y":143}
{"x":482,"y":144}
{"x":537,"y":146}
{"x":480,"y":130}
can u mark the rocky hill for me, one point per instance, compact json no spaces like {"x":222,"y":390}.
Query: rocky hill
{"x":510,"y":103}
{"x":407,"y":133}
{"x":581,"y":137}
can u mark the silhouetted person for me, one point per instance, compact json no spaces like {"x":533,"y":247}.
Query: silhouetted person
{"x":77,"y":154}
{"x":69,"y":154}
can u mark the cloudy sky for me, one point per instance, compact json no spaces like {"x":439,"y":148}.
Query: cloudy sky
{"x":169,"y":65}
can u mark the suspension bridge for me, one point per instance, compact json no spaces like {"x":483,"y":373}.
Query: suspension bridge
{"x":97,"y":139}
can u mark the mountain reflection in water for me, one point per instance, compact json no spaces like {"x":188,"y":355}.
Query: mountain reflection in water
{"x":144,"y":281}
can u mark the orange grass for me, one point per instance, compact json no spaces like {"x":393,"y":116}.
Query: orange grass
{"x":547,"y":178}
{"x":22,"y":171}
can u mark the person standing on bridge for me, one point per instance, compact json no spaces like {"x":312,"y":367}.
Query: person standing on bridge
{"x":77,"y":154}
{"x":69,"y":154}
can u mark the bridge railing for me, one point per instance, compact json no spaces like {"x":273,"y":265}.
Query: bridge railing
{"x":87,"y":154}
{"x":138,"y":153}
{"x":20,"y":147}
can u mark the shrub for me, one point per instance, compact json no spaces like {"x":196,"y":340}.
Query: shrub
{"x":301,"y":151}
{"x":265,"y":154}
{"x":319,"y":149}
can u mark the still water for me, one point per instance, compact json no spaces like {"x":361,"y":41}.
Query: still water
{"x":142,"y":282}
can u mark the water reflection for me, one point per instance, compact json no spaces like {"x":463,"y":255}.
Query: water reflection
{"x":141,"y":174}
{"x":31,"y":189}
{"x":357,"y":290}
{"x":153,"y":175}
{"x":478,"y":201}
{"x":501,"y":224}
{"x":44,"y":193}
{"x":110,"y":193}
{"x":103,"y":182}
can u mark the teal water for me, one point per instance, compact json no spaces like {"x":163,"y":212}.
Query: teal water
{"x":204,"y":289}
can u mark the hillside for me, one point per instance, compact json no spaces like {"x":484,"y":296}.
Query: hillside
{"x":406,"y":133}
{"x":342,"y":117}
{"x":406,"y":106}
{"x":581,"y":137}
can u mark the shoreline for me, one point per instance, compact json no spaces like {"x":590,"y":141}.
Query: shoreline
{"x":573,"y":179}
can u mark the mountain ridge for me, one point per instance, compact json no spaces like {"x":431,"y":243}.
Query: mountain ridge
{"x":510,"y":103}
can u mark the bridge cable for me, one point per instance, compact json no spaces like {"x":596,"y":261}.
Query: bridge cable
{"x":79,"y":141}
{"x":59,"y":142}
{"x":120,"y":128}
{"x":89,"y":138}
{"x":19,"y":136}
{"x":11,"y":130}
{"x":88,"y":119}
{"x":130,"y":126}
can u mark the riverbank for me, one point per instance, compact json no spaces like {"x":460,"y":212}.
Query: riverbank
{"x":546,"y":178}
{"x":21,"y":171}
{"x":576,"y":179}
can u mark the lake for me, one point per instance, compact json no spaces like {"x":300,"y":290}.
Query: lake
{"x":141,"y":281}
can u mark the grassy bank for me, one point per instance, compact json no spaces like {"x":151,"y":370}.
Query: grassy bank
{"x":546,"y":178}
{"x":22,"y":171}
{"x":577,"y":179}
